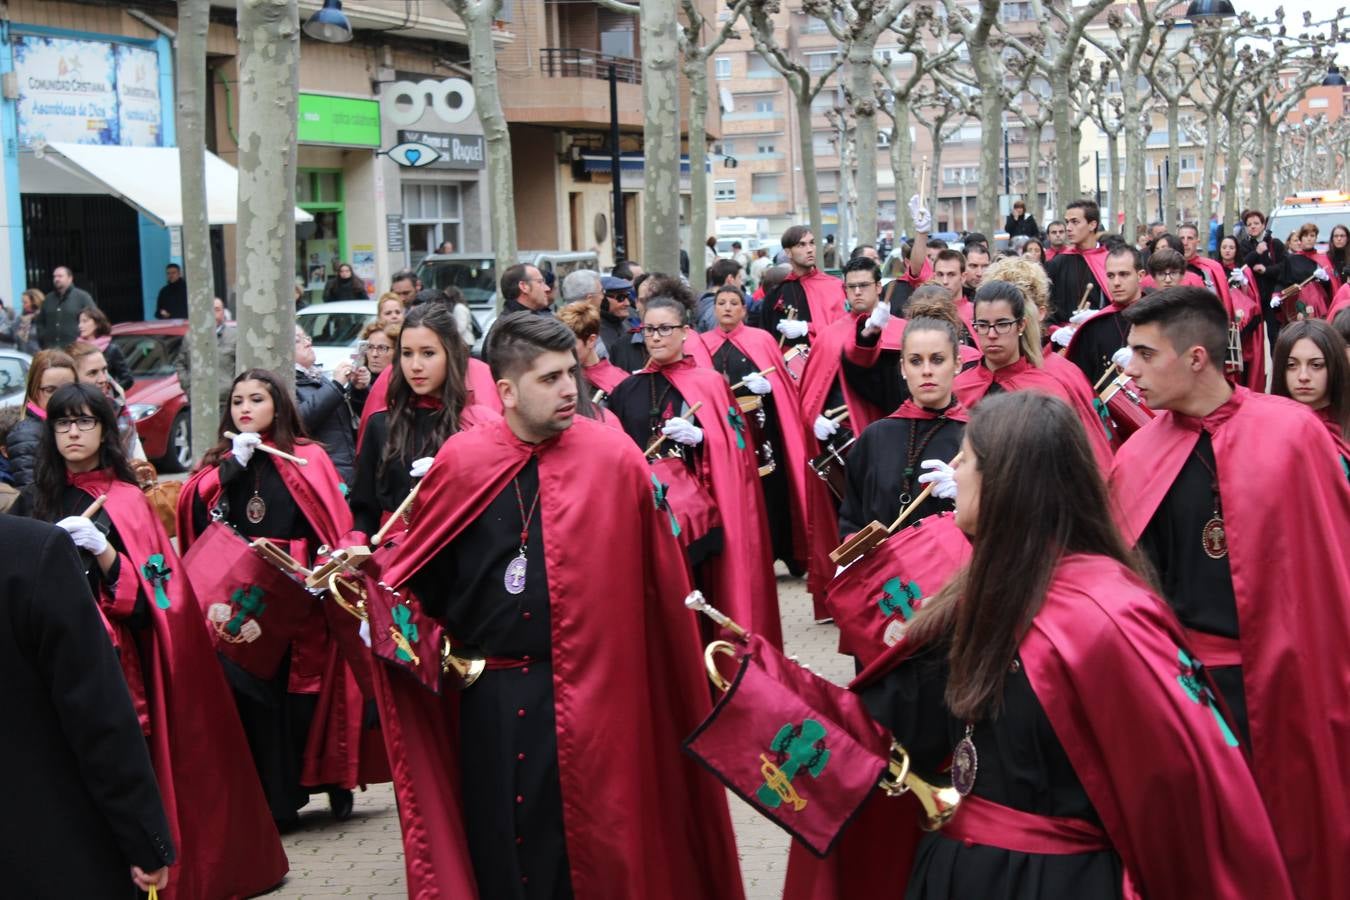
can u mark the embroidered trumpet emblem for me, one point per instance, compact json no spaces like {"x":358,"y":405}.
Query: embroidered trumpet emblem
{"x":404,"y":634}
{"x":794,"y":748}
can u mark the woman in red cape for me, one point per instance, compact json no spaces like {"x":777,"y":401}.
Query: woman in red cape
{"x":641,"y":819}
{"x":1011,"y":361}
{"x":477,"y":382}
{"x":1305,"y":263}
{"x":316,"y":696}
{"x":228,"y":846}
{"x":652,"y":404}
{"x":1245,"y":300}
{"x":738,"y":350}
{"x":1310,"y":365}
{"x":1056,"y":681}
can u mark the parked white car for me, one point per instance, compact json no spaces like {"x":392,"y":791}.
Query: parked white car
{"x":336,"y":329}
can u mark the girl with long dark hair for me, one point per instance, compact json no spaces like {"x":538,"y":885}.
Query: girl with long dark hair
{"x":1053,"y":677}
{"x":427,"y":398}
{"x":50,"y":371}
{"x":299,"y":508}
{"x":153,"y":618}
{"x":1310,"y":365}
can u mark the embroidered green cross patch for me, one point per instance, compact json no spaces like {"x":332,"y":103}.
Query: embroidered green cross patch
{"x":1192,"y":683}
{"x":738,"y":425}
{"x":899,"y":597}
{"x":250,"y":603}
{"x":659,"y":496}
{"x":158,"y":574}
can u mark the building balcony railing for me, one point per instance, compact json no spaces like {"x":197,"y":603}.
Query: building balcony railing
{"x":574,"y":62}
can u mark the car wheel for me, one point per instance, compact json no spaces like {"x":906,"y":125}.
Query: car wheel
{"x":178,"y":455}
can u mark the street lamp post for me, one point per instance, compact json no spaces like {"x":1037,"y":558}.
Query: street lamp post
{"x":620,"y":226}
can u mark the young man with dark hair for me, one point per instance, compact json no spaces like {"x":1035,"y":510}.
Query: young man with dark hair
{"x":575,"y":654}
{"x":1259,"y":582}
{"x":1096,"y":341}
{"x":1166,"y":267}
{"x":171,"y":302}
{"x":807,"y":300}
{"x":949,"y":273}
{"x":1078,"y":271}
{"x":1265,"y":254}
{"x":1054,"y":236}
{"x":524,"y":290}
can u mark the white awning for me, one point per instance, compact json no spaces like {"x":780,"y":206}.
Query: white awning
{"x":148,"y":179}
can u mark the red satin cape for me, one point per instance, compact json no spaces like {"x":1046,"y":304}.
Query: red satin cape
{"x":641,"y":818}
{"x":481,"y":389}
{"x":824,"y":298}
{"x":227,"y":843}
{"x":339,"y":751}
{"x":1291,"y":579}
{"x":1102,"y":657}
{"x":762,"y":350}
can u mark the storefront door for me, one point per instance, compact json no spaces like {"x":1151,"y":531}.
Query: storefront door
{"x":319,"y":245}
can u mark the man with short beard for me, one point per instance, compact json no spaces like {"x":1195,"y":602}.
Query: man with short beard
{"x":808,"y":300}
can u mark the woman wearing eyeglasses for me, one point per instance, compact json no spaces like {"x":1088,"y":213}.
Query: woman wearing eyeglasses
{"x":49,"y":371}
{"x":654,"y":405}
{"x":1011,"y":346}
{"x":184,"y":705}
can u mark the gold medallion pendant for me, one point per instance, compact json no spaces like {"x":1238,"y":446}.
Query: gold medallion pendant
{"x":1214,"y":539}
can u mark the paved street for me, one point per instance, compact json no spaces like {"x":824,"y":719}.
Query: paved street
{"x":364,"y":858}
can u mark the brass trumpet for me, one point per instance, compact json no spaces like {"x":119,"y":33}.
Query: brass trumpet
{"x":939,"y":803}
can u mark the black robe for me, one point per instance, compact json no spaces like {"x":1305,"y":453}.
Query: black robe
{"x":1095,"y":341}
{"x":379,"y":488}
{"x":641,"y":418}
{"x":735,"y":365}
{"x":1198,"y":588}
{"x":1022,"y":765}
{"x":777,"y":303}
{"x":1069,"y":277}
{"x":82,"y":805}
{"x":512,"y":797}
{"x":276,"y":721}
{"x":878,"y":485}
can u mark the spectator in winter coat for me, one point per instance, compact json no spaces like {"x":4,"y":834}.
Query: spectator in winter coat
{"x":1020,"y":223}
{"x":58,"y":320}
{"x":325,"y":403}
{"x":50,"y":370}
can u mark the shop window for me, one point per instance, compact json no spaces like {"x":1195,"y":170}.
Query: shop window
{"x":320,"y":246}
{"x":432,"y":215}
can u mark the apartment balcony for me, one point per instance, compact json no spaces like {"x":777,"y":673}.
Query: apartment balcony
{"x":571,"y":90}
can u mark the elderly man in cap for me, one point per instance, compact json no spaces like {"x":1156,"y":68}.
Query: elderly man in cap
{"x":626,"y":349}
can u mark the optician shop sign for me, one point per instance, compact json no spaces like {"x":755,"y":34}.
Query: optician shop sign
{"x":457,"y":151}
{"x":87,"y":92}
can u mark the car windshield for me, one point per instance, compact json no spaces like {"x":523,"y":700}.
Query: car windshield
{"x":475,"y":278}
{"x":337,"y":329}
{"x":148,"y":355}
{"x":1287,"y":221}
{"x":12,"y":375}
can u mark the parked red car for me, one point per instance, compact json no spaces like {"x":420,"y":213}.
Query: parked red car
{"x":156,"y":401}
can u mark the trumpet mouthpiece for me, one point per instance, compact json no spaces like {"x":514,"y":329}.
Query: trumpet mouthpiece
{"x":695,"y":600}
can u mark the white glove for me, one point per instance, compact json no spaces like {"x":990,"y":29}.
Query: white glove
{"x":1122,"y":357}
{"x":1062,"y":336}
{"x":1081,"y":316}
{"x":824,"y":428}
{"x":84,"y":533}
{"x":243,"y":445}
{"x":793,"y":328}
{"x":364,"y":632}
{"x":1237,"y":278}
{"x":1321,"y":274}
{"x":1275,"y":301}
{"x":682,"y":431}
{"x":923,"y":219}
{"x":941,"y":476}
{"x":878,"y":318}
{"x":758,"y":384}
{"x":420,"y":467}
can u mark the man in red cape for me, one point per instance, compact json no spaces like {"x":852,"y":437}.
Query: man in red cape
{"x":478,"y":381}
{"x":639,"y":819}
{"x":1107,"y":663}
{"x":1078,"y":265}
{"x":763,"y":352}
{"x":807,"y":300}
{"x":1242,"y":308}
{"x":339,"y":750}
{"x":228,"y":844}
{"x":1279,"y":642}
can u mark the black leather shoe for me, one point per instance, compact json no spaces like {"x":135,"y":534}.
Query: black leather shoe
{"x":340,"y":802}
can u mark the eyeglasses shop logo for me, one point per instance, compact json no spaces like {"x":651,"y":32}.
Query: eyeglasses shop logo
{"x":405,"y":102}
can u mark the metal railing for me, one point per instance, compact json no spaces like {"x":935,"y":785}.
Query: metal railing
{"x":574,"y":62}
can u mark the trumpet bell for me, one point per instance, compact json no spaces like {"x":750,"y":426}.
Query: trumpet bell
{"x":939,"y":803}
{"x":466,"y":669}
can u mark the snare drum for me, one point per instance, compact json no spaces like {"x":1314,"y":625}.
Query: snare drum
{"x":829,"y":466}
{"x":752,"y":413}
{"x":874,"y":598}
{"x":691,"y":507}
{"x":253,"y":608}
{"x":794,"y":361}
{"x":1126,"y":409}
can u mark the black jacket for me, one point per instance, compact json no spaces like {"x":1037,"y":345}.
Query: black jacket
{"x":58,"y":320}
{"x":118,"y":369}
{"x":21,"y":446}
{"x":325,"y":406}
{"x":624,"y":352}
{"x":349,"y":289}
{"x":172,"y":300}
{"x":1023,"y":227}
{"x":82,"y":805}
